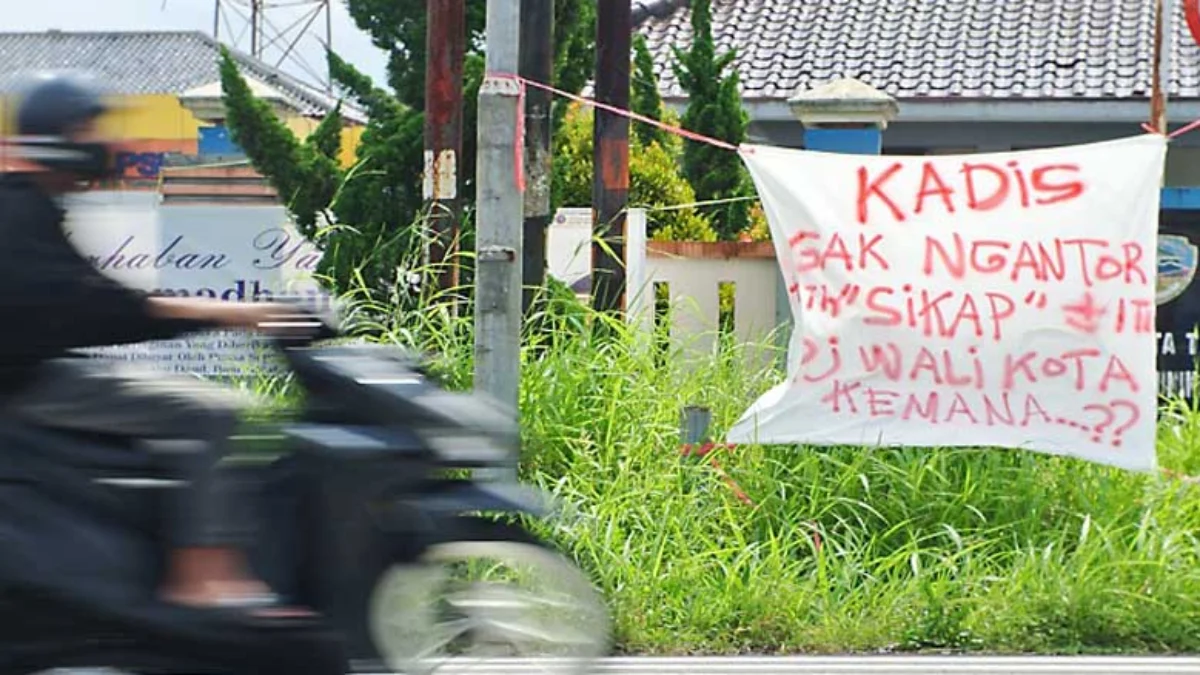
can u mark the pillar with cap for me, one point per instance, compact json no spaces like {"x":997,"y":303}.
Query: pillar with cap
{"x":845,"y":115}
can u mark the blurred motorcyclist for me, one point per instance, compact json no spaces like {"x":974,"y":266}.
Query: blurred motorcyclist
{"x":54,"y":301}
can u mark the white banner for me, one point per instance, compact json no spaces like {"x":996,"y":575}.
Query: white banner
{"x":1003,"y":300}
{"x":232,"y":252}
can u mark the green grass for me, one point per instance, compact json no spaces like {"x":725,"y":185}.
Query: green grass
{"x":843,"y":549}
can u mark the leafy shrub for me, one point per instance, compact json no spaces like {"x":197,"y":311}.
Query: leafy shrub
{"x":655,"y":181}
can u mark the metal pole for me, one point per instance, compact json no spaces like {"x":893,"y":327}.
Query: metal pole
{"x":537,"y":64}
{"x":328,"y":43}
{"x":255,"y":9}
{"x":610,"y":188}
{"x":446,"y":34}
{"x":498,"y":233}
{"x":217,"y":20}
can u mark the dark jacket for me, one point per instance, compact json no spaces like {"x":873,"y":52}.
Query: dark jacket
{"x":51,"y":297}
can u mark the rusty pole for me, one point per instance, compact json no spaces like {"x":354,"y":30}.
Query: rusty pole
{"x":537,"y":64}
{"x":445,"y":39}
{"x":610,"y":187}
{"x":1158,"y":103}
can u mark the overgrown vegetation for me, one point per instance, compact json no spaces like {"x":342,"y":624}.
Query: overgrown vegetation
{"x":843,"y":549}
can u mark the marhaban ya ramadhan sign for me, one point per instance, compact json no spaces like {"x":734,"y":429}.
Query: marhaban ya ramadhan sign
{"x":235,"y":253}
{"x":997,"y":299}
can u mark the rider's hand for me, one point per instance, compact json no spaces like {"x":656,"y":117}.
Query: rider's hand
{"x":274,"y":319}
{"x":252,"y":315}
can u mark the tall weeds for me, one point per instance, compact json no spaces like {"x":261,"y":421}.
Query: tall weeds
{"x":842,"y":549}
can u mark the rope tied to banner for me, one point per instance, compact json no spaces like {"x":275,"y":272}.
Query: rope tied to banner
{"x":669,"y":128}
{"x":678,"y":131}
{"x":1187,"y":128}
{"x":709,"y":140}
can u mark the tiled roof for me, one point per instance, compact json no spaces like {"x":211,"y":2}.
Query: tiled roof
{"x":137,"y":62}
{"x":1026,"y":49}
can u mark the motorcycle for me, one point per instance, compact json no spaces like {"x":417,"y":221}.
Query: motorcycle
{"x":388,"y":505}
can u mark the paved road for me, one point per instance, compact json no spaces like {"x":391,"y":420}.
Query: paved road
{"x":869,"y":665}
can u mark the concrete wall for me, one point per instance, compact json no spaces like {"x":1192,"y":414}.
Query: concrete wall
{"x":693,"y":274}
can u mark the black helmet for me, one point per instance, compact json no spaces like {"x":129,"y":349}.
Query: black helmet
{"x":54,"y":102}
{"x":50,"y":105}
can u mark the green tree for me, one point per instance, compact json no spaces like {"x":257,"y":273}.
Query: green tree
{"x":379,"y":207}
{"x":715,"y":110}
{"x":374,"y":207}
{"x":398,"y":27}
{"x":654,"y":180}
{"x":364,"y":238}
{"x":646,"y":100}
{"x":304,"y":173}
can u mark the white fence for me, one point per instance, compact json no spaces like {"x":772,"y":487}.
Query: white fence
{"x":693,"y":275}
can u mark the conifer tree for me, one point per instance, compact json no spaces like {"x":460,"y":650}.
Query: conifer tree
{"x":714,"y":109}
{"x":378,"y":203}
{"x":646,"y":99}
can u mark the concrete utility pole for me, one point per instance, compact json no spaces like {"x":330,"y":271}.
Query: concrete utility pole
{"x":537,"y":64}
{"x":445,"y":41}
{"x":498,"y":236}
{"x":610,"y":188}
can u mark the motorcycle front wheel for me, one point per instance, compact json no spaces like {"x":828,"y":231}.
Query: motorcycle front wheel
{"x":492,"y":598}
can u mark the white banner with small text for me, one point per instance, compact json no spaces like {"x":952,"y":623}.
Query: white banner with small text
{"x":985,"y":300}
{"x":231,"y":252}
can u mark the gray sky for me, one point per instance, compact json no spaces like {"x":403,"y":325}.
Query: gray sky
{"x":91,"y":15}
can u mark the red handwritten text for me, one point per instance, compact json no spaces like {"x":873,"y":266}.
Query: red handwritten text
{"x":1128,"y":410}
{"x":937,"y":407}
{"x":830,"y":300}
{"x":1134,"y":315}
{"x":943,"y":314}
{"x":1031,"y":368}
{"x":1101,"y":422}
{"x":850,"y":253}
{"x":1085,"y":314}
{"x":975,"y":186}
{"x":954,"y":368}
{"x":944,"y":367}
{"x":812,"y":352}
{"x":1093,"y":259}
